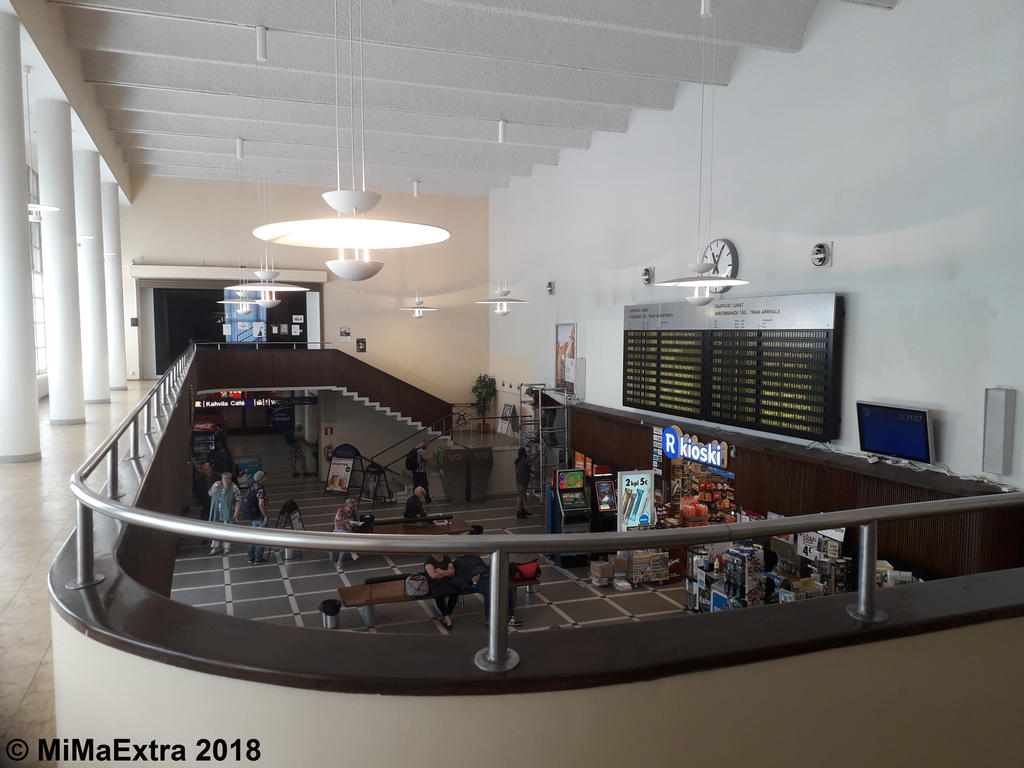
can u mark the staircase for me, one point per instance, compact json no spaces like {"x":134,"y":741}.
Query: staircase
{"x":418,"y":431}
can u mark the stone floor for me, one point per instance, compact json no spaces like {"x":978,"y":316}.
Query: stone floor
{"x":37,"y":514}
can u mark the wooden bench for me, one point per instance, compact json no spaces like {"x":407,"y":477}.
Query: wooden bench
{"x":389,"y":590}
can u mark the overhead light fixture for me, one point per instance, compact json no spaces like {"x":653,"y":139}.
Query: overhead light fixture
{"x":348,"y":232}
{"x":417,"y":308}
{"x":263,"y":287}
{"x":341,"y":233}
{"x":702,"y":282}
{"x":502,"y":300}
{"x":355,"y":268}
{"x":244,"y":305}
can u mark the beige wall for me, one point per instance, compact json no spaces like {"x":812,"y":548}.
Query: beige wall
{"x":945,"y":699}
{"x":209,"y":223}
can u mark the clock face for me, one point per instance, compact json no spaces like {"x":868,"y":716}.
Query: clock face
{"x":723,"y":255}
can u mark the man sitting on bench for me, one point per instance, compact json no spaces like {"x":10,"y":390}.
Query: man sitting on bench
{"x":473,"y":575}
{"x":414,"y":505}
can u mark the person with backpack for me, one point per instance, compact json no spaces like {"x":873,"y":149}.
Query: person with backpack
{"x":416,"y":462}
{"x":254,"y":509}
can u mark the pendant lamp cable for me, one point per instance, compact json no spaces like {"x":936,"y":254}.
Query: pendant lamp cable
{"x":711,"y":158}
{"x":362,"y":103}
{"x":700,"y":164}
{"x":351,"y":94}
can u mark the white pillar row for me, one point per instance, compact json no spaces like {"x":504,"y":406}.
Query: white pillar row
{"x":19,"y":413}
{"x":91,"y":293}
{"x":115,"y":290}
{"x":60,"y":262}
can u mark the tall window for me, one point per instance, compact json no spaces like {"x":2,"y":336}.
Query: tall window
{"x":38,"y":318}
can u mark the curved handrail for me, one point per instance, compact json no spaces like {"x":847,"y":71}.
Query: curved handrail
{"x":497,"y":657}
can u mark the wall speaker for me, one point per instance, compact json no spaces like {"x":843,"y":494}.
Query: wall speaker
{"x":997,"y":444}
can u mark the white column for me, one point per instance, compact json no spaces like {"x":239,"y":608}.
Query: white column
{"x":60,"y":263}
{"x":115,"y":288}
{"x":19,"y":401}
{"x":89,"y":222}
{"x":18,"y":398}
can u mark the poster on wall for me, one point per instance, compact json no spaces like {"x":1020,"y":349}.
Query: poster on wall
{"x":259,"y":330}
{"x":226,"y":328}
{"x":565,"y":356}
{"x":243,"y":326}
{"x":360,"y":345}
{"x":636,"y":499}
{"x":345,"y":334}
{"x":299,"y":319}
{"x":296,"y":330}
{"x":339,"y":475}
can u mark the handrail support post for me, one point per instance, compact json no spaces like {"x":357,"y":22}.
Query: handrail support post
{"x":864,"y":610}
{"x":112,"y":489}
{"x":133,"y":451}
{"x":497,"y":656}
{"x":85,"y":574}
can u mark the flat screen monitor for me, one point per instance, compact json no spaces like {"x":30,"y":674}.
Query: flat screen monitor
{"x":892,"y":430}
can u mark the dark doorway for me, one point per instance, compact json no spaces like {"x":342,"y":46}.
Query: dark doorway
{"x":182,"y":315}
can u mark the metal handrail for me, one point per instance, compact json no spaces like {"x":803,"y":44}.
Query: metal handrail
{"x":497,"y":656}
{"x":258,"y":344}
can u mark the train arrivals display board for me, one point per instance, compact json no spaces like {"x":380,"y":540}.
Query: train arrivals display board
{"x":769,"y":363}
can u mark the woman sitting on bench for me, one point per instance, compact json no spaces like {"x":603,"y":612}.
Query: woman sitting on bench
{"x":440,"y":570}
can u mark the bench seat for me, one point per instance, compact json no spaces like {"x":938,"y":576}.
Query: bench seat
{"x":390,"y":590}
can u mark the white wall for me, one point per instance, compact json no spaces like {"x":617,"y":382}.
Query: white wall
{"x":190,"y":223}
{"x":891,"y":699}
{"x":894,"y":133}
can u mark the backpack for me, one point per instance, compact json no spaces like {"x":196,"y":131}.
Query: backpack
{"x":412,"y":460}
{"x":417,"y":585}
{"x":251,"y":504}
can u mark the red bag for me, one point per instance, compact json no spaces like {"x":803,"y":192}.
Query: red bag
{"x":523,"y":571}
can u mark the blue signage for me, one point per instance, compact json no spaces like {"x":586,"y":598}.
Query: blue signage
{"x":676,"y":445}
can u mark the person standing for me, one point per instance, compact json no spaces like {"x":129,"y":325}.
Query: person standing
{"x":522,"y":481}
{"x":343,"y":520}
{"x":255,"y":511}
{"x":225,"y":504}
{"x":296,"y":442}
{"x":419,"y":475}
{"x":201,"y":489}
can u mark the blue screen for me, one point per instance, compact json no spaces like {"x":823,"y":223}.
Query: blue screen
{"x":901,"y":432}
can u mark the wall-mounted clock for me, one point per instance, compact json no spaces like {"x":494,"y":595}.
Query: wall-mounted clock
{"x":724,"y":257}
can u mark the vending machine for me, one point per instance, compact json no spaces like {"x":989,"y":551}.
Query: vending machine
{"x":572,"y":501}
{"x":568,"y":511}
{"x":604,"y":508}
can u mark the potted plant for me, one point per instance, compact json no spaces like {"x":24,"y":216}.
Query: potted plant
{"x":484,"y":392}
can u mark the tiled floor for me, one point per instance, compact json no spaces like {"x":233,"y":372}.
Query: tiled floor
{"x":290,"y":592}
{"x":36,"y":515}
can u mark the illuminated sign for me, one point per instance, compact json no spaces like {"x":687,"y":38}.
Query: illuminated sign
{"x":676,"y":445}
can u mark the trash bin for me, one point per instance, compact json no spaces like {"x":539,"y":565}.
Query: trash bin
{"x":330,"y":609}
{"x":481,"y":462}
{"x":454,"y":470}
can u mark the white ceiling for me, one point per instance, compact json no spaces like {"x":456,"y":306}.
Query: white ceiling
{"x":180,"y":82}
